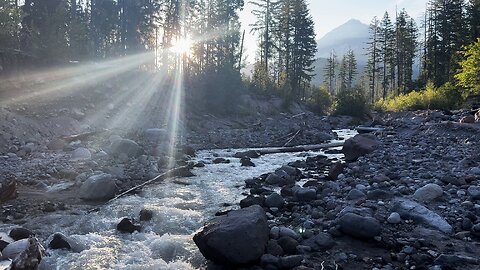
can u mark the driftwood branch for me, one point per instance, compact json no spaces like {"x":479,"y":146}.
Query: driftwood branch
{"x":82,"y":136}
{"x":292,"y":138}
{"x":180,"y":171}
{"x":171,"y":173}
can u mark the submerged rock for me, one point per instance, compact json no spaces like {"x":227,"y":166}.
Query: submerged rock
{"x":246,"y":162}
{"x":238,"y":238}
{"x":127,"y":225}
{"x":59,"y":241}
{"x":220,"y":161}
{"x":146,"y":215}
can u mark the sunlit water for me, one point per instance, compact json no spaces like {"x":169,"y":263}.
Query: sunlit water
{"x":179,"y":211}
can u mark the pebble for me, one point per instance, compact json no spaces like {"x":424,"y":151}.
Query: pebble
{"x":394,"y":218}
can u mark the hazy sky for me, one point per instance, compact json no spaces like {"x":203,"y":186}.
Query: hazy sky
{"x":328,"y":14}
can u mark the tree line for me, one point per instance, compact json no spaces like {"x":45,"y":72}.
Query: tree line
{"x":59,"y":31}
{"x":287,"y":47}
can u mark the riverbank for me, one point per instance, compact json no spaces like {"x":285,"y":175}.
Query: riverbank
{"x":410,"y":202}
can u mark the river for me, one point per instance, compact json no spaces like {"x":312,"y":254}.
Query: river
{"x":180,"y":207}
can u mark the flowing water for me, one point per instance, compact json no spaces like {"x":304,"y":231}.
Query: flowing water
{"x":180,"y":209}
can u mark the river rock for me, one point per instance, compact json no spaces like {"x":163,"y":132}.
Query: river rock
{"x":238,"y":238}
{"x":146,"y":215}
{"x":359,"y":227}
{"x":273,"y":179}
{"x":126,"y":147}
{"x":335,"y":170}
{"x":355,"y":194}
{"x":12,"y":250}
{"x":474,"y":192}
{"x":127,"y":225}
{"x":56,"y":144}
{"x":358,"y":146}
{"x":100,"y":187}
{"x":246,"y":162}
{"x":394,"y":218}
{"x":252,"y":200}
{"x":291,"y":171}
{"x":305,"y":194}
{"x":274,"y":200}
{"x":428,"y":193}
{"x":220,"y":161}
{"x":20,"y":233}
{"x":288,"y":244}
{"x":155,"y":134}
{"x":81,"y":153}
{"x":290,"y":262}
{"x":320,"y":242}
{"x":59,"y":241}
{"x":412,"y":210}
{"x":469,"y":119}
{"x":29,"y":255}
{"x":453,"y":260}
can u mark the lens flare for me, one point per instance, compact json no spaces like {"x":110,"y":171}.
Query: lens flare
{"x":182,"y":46}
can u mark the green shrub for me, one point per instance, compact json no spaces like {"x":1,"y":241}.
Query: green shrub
{"x":351,"y":102}
{"x":320,"y":100}
{"x":442,"y":98}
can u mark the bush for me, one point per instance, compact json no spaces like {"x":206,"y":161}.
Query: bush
{"x":320,"y":100}
{"x":442,"y":98}
{"x":351,"y":102}
{"x":469,"y":73}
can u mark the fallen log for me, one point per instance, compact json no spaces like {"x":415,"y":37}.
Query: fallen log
{"x":294,"y":149}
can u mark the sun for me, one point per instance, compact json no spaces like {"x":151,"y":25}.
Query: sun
{"x":182,"y":46}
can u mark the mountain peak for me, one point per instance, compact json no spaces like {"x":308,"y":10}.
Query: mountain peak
{"x":353,"y":34}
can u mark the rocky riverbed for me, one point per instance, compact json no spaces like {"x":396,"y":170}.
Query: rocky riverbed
{"x":407,"y":199}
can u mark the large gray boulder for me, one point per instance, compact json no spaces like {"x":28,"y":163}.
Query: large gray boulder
{"x":238,"y":238}
{"x":358,"y":146}
{"x":126,"y":147}
{"x":412,"y":210}
{"x":100,"y":187}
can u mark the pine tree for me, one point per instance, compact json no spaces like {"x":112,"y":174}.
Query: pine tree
{"x":387,"y":53}
{"x":473,"y":15}
{"x":304,"y":48}
{"x":373,"y":53}
{"x":265,"y":25}
{"x":343,"y":75}
{"x":329,"y":77}
{"x":351,"y":69}
{"x":446,"y":34}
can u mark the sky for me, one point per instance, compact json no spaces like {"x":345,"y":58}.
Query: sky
{"x":329,"y":14}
